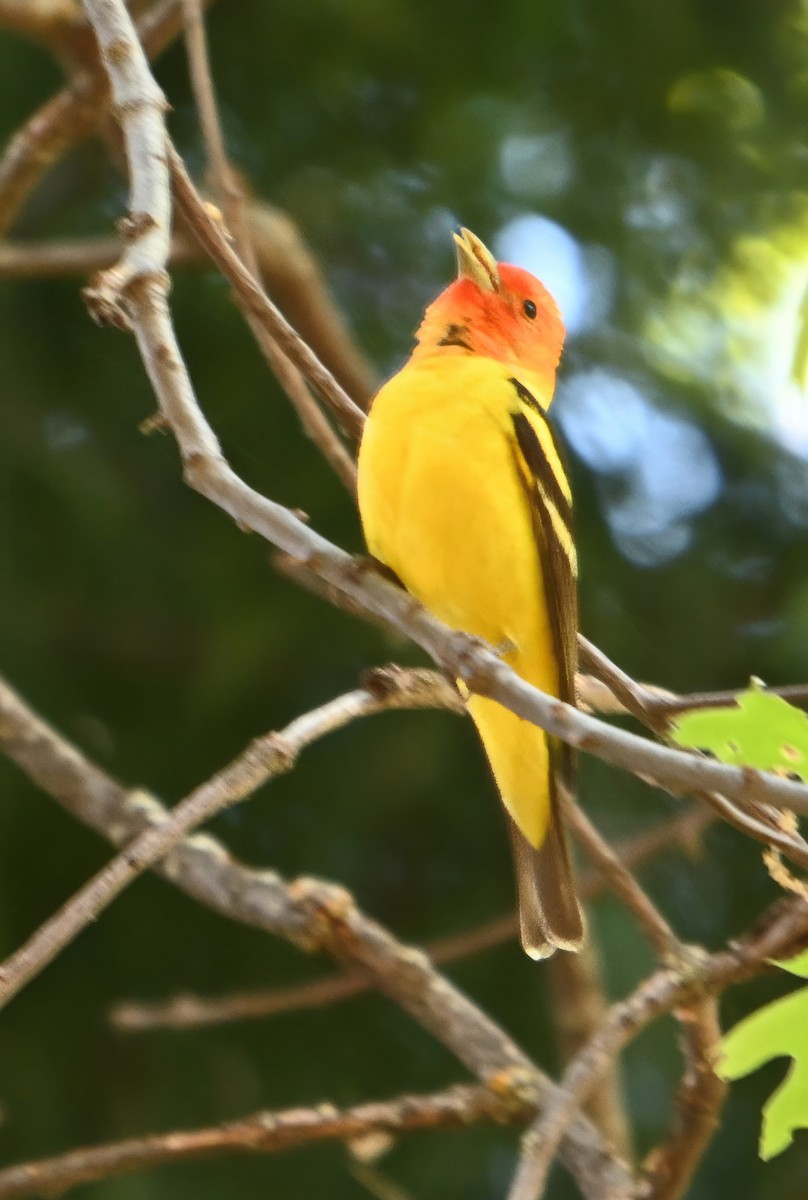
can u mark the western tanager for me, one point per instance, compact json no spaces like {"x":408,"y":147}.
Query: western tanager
{"x":464,"y":497}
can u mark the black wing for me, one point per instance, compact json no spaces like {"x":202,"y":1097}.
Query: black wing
{"x":549,"y":914}
{"x":552,"y":517}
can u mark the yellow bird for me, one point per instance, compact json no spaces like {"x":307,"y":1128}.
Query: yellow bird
{"x":463,"y":496}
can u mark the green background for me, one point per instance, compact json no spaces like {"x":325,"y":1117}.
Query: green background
{"x":667,"y":142}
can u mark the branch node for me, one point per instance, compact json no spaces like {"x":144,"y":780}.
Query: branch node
{"x":326,"y":908}
{"x":383,"y":682}
{"x":277,"y":748}
{"x":103,"y":300}
{"x":516,"y":1087}
{"x":462,"y":660}
{"x":134,"y":225}
{"x":153,"y":424}
{"x":108,"y":291}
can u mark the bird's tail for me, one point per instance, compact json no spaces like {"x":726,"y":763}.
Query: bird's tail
{"x":549,"y":916}
{"x":530,"y":771}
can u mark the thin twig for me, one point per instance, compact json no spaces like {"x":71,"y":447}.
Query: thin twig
{"x":284,"y":261}
{"x":376,"y":1183}
{"x":632,"y":695}
{"x":699,"y":1101}
{"x":747,"y":813}
{"x":666,"y":989}
{"x":621,"y":881}
{"x":577,"y":992}
{"x":263,"y":1132}
{"x":671,"y":706}
{"x":70,"y":116}
{"x":49,"y":22}
{"x":701,"y":1093}
{"x":311,"y":914}
{"x":264,"y":759}
{"x":255,"y":300}
{"x":190,"y":1012}
{"x":231,"y":198}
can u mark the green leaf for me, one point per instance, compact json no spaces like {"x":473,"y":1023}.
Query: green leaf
{"x":778,"y":1030}
{"x":796,"y":966}
{"x":763,"y":731}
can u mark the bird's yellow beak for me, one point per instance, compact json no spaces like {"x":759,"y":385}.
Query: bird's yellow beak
{"x":475,"y":261}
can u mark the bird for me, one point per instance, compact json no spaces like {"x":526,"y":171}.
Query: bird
{"x":464,"y":498}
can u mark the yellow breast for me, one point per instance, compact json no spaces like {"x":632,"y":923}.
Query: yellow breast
{"x":443,"y":505}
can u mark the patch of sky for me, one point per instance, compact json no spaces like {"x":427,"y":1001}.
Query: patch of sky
{"x":581,"y":278}
{"x":664,"y":465}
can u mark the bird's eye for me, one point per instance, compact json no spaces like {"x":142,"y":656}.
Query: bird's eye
{"x":529,"y":309}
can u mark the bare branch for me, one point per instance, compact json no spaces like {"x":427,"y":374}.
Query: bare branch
{"x":46,"y":21}
{"x":284,"y":261}
{"x":701,"y":1093}
{"x":579,"y":1005}
{"x":310,"y":914}
{"x":670,"y":706}
{"x":669,"y":988}
{"x":64,"y":121}
{"x":231,"y":197}
{"x":632,"y":695}
{"x":188,"y":1012}
{"x":191,"y":1012}
{"x":254,"y":299}
{"x":748,"y":813}
{"x":621,"y":881}
{"x":70,"y":116}
{"x":264,"y":759}
{"x":262,"y":1132}
{"x":146,"y":232}
{"x":699,"y":1101}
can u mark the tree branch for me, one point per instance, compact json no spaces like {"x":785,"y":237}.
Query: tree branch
{"x":70,"y":116}
{"x":621,"y":881}
{"x":262,"y":1132}
{"x":45,"y":21}
{"x":310,"y":914}
{"x":748,"y":814}
{"x":254,"y":299}
{"x":264,"y":759}
{"x":188,"y":1012}
{"x":699,"y":1101}
{"x":701,"y":1093}
{"x":671,"y":987}
{"x":579,"y":1005}
{"x":229,"y":193}
{"x":284,"y":261}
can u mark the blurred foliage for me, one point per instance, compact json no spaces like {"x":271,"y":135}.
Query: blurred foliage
{"x":652,"y":157}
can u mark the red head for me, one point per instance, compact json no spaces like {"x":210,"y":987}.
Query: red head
{"x":495,"y":310}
